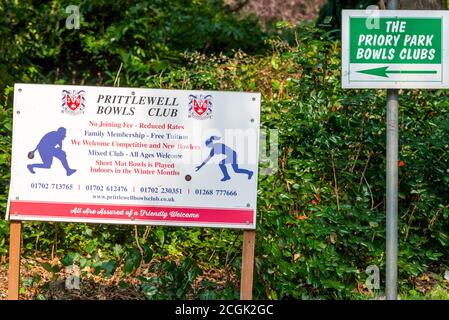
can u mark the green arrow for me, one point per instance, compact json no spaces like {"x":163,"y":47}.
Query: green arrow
{"x":383,"y":72}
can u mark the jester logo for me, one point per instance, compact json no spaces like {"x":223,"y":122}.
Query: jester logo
{"x":200,"y":107}
{"x":73,"y":101}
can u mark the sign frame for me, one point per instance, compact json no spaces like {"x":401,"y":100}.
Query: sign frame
{"x":249,"y":231}
{"x":216,"y":210}
{"x":393,"y":75}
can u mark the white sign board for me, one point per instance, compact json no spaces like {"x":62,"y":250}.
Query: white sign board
{"x":395,"y":49}
{"x":134,"y":156}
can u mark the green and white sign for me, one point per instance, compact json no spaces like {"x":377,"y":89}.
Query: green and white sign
{"x":395,"y":49}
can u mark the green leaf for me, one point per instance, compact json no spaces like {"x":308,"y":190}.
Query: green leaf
{"x":91,"y":246}
{"x":160,"y":236}
{"x":70,"y":258}
{"x":148,"y":253}
{"x":83,"y":262}
{"x":117,"y":250}
{"x":109,"y":267}
{"x":47,"y":266}
{"x":132,"y":260}
{"x":150,"y":291}
{"x":274,"y":63}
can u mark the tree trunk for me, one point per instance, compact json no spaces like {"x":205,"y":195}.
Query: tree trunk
{"x":423,"y":4}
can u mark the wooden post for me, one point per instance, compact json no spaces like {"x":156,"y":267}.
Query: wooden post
{"x":15,"y":237}
{"x":246,"y":282}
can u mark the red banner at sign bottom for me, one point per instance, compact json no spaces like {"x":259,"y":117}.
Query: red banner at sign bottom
{"x":129,"y":214}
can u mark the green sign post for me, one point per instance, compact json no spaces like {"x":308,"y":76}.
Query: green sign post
{"x":391,"y":50}
{"x":395,"y":49}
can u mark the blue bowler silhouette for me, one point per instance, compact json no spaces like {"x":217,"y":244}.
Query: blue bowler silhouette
{"x":231,"y":158}
{"x":51,"y":146}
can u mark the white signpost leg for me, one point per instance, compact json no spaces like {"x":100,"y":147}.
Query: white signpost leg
{"x":392,"y":188}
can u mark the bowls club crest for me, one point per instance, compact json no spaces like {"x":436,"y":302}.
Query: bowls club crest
{"x":200,"y":107}
{"x":73,"y":101}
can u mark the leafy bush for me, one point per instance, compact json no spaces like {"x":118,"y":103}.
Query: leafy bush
{"x":145,"y":36}
{"x":322,"y":215}
{"x":5,"y":161}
